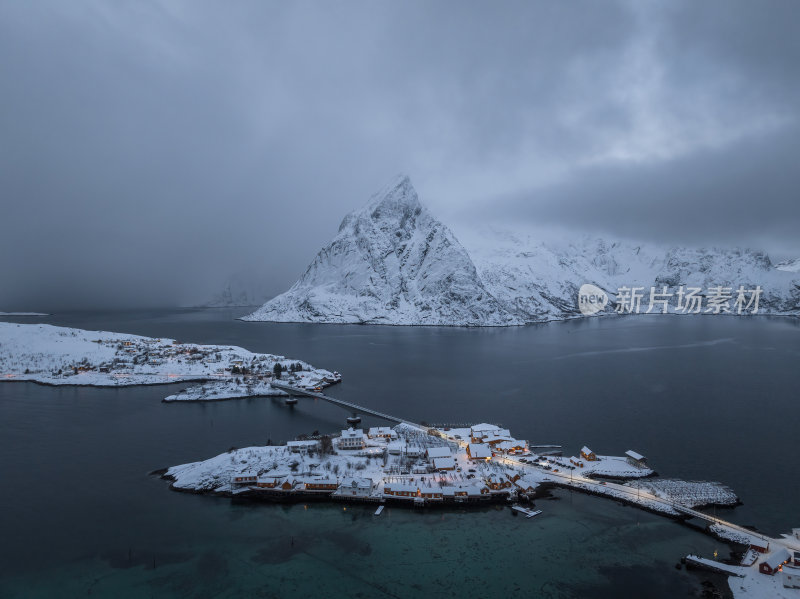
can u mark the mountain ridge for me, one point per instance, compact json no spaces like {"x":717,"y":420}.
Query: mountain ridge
{"x":392,"y":262}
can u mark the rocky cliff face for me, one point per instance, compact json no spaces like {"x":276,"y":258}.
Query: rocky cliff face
{"x":392,"y":262}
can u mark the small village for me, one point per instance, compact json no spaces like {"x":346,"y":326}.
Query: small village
{"x":404,"y":464}
{"x":65,"y":356}
{"x":414,"y":466}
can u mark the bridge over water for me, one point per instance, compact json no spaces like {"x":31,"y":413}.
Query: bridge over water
{"x":292,"y":390}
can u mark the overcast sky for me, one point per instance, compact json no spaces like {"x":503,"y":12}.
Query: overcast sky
{"x":150,"y":149}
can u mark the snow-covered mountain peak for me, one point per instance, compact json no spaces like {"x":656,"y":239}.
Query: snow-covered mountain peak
{"x":396,"y":204}
{"x":391,"y":262}
{"x":398,"y":194}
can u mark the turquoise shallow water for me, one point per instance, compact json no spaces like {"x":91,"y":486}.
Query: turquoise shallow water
{"x":81,"y":517}
{"x":579,"y":547}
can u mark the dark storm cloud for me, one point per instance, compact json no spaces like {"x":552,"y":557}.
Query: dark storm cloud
{"x":150,"y":149}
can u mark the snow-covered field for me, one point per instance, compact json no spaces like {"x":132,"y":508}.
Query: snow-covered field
{"x":689,"y":492}
{"x":65,"y":356}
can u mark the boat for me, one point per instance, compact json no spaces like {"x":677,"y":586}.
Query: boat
{"x":379,"y":510}
{"x":529,"y":513}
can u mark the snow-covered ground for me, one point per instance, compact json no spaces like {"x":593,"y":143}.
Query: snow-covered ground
{"x":746,"y":582}
{"x":65,"y":356}
{"x":688,"y":492}
{"x":611,"y":467}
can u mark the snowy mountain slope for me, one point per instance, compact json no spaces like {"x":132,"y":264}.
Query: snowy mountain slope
{"x":789,"y":265}
{"x":392,"y":262}
{"x":540,"y":280}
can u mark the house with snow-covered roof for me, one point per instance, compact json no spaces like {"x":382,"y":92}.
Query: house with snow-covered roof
{"x":352,"y":438}
{"x":401,"y":489}
{"x":588,"y":455}
{"x":481,"y":431}
{"x":355,"y":487}
{"x":479,"y":451}
{"x":774,"y":561}
{"x":497,"y":483}
{"x":512,"y":446}
{"x":443,"y":464}
{"x":302,"y":446}
{"x":321,"y":484}
{"x":495,"y":439}
{"x":438,"y":452}
{"x":396,"y":447}
{"x":381,"y":432}
{"x":635,"y":459}
{"x":244,"y":478}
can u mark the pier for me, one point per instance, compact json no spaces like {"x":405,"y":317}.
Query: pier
{"x":292,"y":390}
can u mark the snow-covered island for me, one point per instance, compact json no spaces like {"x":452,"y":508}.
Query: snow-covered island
{"x":480,"y":463}
{"x":416,"y":465}
{"x":54,"y":355}
{"x":392,"y":262}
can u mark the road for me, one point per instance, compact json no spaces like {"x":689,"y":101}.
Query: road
{"x":639,"y":496}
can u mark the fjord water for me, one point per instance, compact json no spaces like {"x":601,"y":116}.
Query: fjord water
{"x":709,"y":398}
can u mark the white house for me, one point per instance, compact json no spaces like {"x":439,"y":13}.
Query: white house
{"x":355,"y":487}
{"x":352,"y":438}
